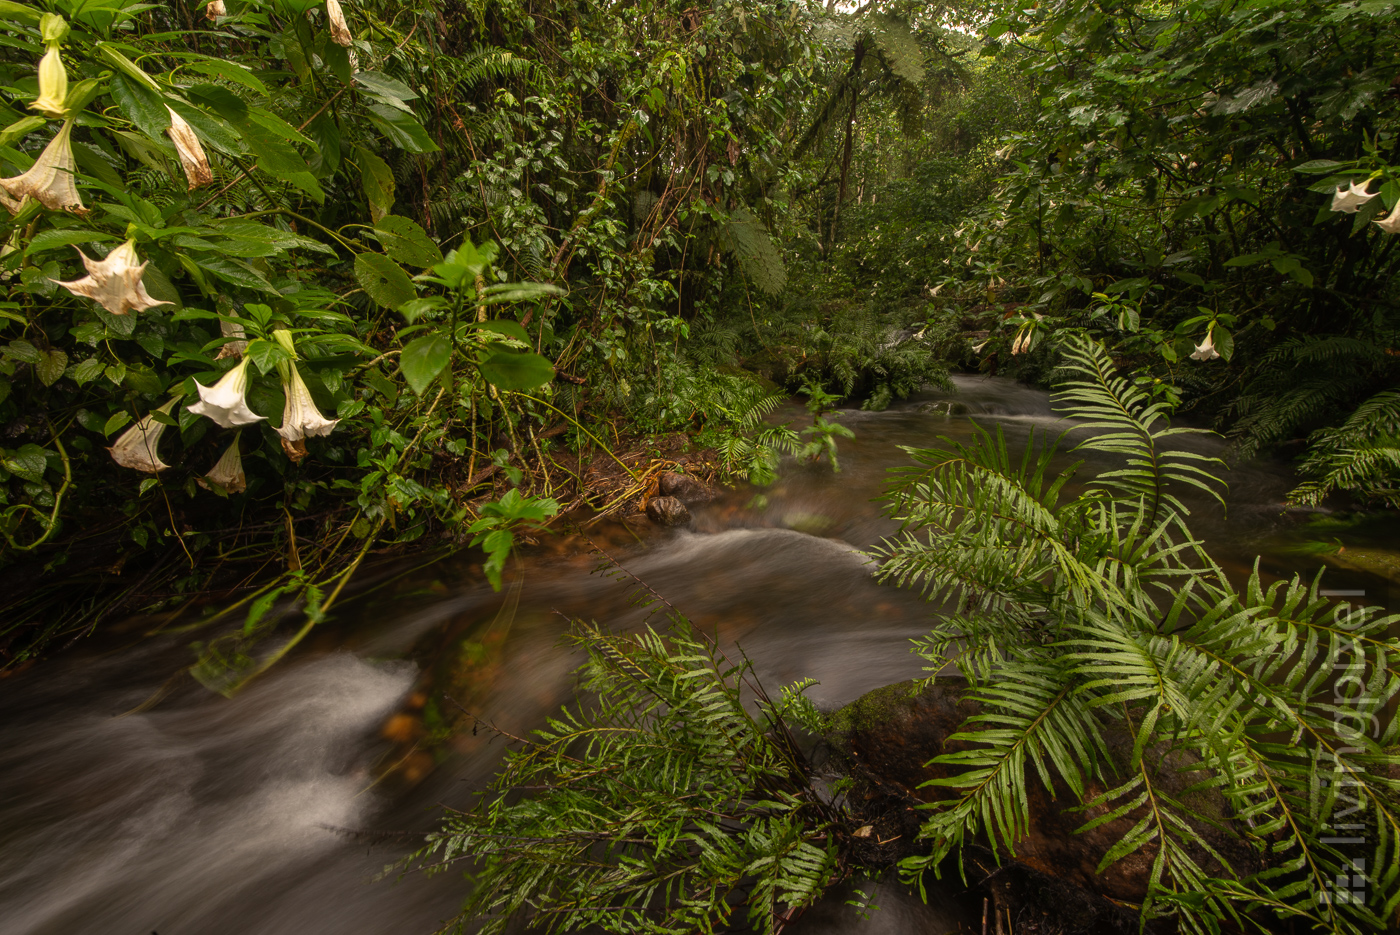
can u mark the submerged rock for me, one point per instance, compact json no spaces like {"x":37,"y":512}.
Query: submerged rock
{"x":668,"y":511}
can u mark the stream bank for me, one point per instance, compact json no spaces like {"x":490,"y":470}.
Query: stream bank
{"x":229,"y":816}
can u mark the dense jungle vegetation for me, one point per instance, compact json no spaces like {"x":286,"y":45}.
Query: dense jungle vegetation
{"x":290,"y":282}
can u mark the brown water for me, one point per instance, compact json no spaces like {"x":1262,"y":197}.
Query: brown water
{"x":213,"y":816}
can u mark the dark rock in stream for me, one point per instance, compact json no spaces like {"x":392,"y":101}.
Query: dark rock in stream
{"x":685,"y":488}
{"x":884,"y":739}
{"x":667,"y":511}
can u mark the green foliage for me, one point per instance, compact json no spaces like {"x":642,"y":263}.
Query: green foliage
{"x":1080,"y":615}
{"x":495,"y":530}
{"x":1224,"y":173}
{"x":662,"y":803}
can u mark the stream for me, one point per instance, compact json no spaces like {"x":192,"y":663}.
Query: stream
{"x":203,"y":815}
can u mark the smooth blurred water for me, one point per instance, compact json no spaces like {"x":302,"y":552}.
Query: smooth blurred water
{"x":202,"y":815}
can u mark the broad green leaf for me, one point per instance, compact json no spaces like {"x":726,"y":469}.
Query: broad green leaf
{"x":519,"y":292}
{"x":384,"y":85}
{"x":234,"y":271}
{"x":277,"y":158}
{"x":383,"y":280}
{"x":85,"y":372}
{"x":406,"y":242}
{"x":231,"y":71}
{"x":510,"y":329}
{"x":53,"y":239}
{"x":415,"y":309}
{"x":266,"y":354}
{"x":423,"y":358}
{"x":401,"y":129}
{"x":28,"y":462}
{"x":378,"y":181}
{"x":50,"y":366}
{"x":142,"y":106}
{"x":516,"y":371}
{"x":117,"y":421}
{"x":20,"y":129}
{"x":220,"y":100}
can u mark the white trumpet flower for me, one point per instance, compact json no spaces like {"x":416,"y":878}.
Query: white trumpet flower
{"x":1206,"y":349}
{"x":192,"y":158}
{"x":1391,"y":222}
{"x":215,"y":10}
{"x":53,"y":84}
{"x":50,"y":181}
{"x":300,"y":418}
{"x":136,"y":447}
{"x":114,"y":283}
{"x":1348,"y":199}
{"x":340,"y":31}
{"x":226,"y":402}
{"x":227,"y":472}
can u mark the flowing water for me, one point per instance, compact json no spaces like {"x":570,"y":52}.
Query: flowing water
{"x":201,"y":815}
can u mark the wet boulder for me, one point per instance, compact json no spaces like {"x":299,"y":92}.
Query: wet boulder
{"x":685,"y":488}
{"x":667,"y":511}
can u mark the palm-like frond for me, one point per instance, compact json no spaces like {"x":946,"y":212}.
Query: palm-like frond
{"x":1097,"y":623}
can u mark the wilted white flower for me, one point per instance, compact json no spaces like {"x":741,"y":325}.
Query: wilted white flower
{"x":226,"y":402}
{"x":1348,"y":199}
{"x":192,"y":157}
{"x":114,"y":283}
{"x":300,"y":418}
{"x":1391,"y":222}
{"x":50,"y":180}
{"x":227,"y":473}
{"x":53,"y":84}
{"x":232,"y":329}
{"x":1206,"y":349}
{"x":136,"y":447}
{"x":215,"y":9}
{"x":340,"y":32}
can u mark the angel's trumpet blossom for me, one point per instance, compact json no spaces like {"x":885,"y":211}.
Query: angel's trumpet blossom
{"x":300,"y":417}
{"x":114,"y":283}
{"x":136,"y":447}
{"x":192,"y":158}
{"x":53,"y":84}
{"x":50,"y":180}
{"x":1391,"y":222}
{"x":226,"y":402}
{"x":227,"y":472}
{"x":215,"y":10}
{"x":1206,"y":349}
{"x":340,"y":31}
{"x":1348,"y":199}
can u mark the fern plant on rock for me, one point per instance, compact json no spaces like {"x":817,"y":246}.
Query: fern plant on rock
{"x":1078,"y":618}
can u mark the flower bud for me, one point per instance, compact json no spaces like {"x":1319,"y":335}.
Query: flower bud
{"x":53,"y":84}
